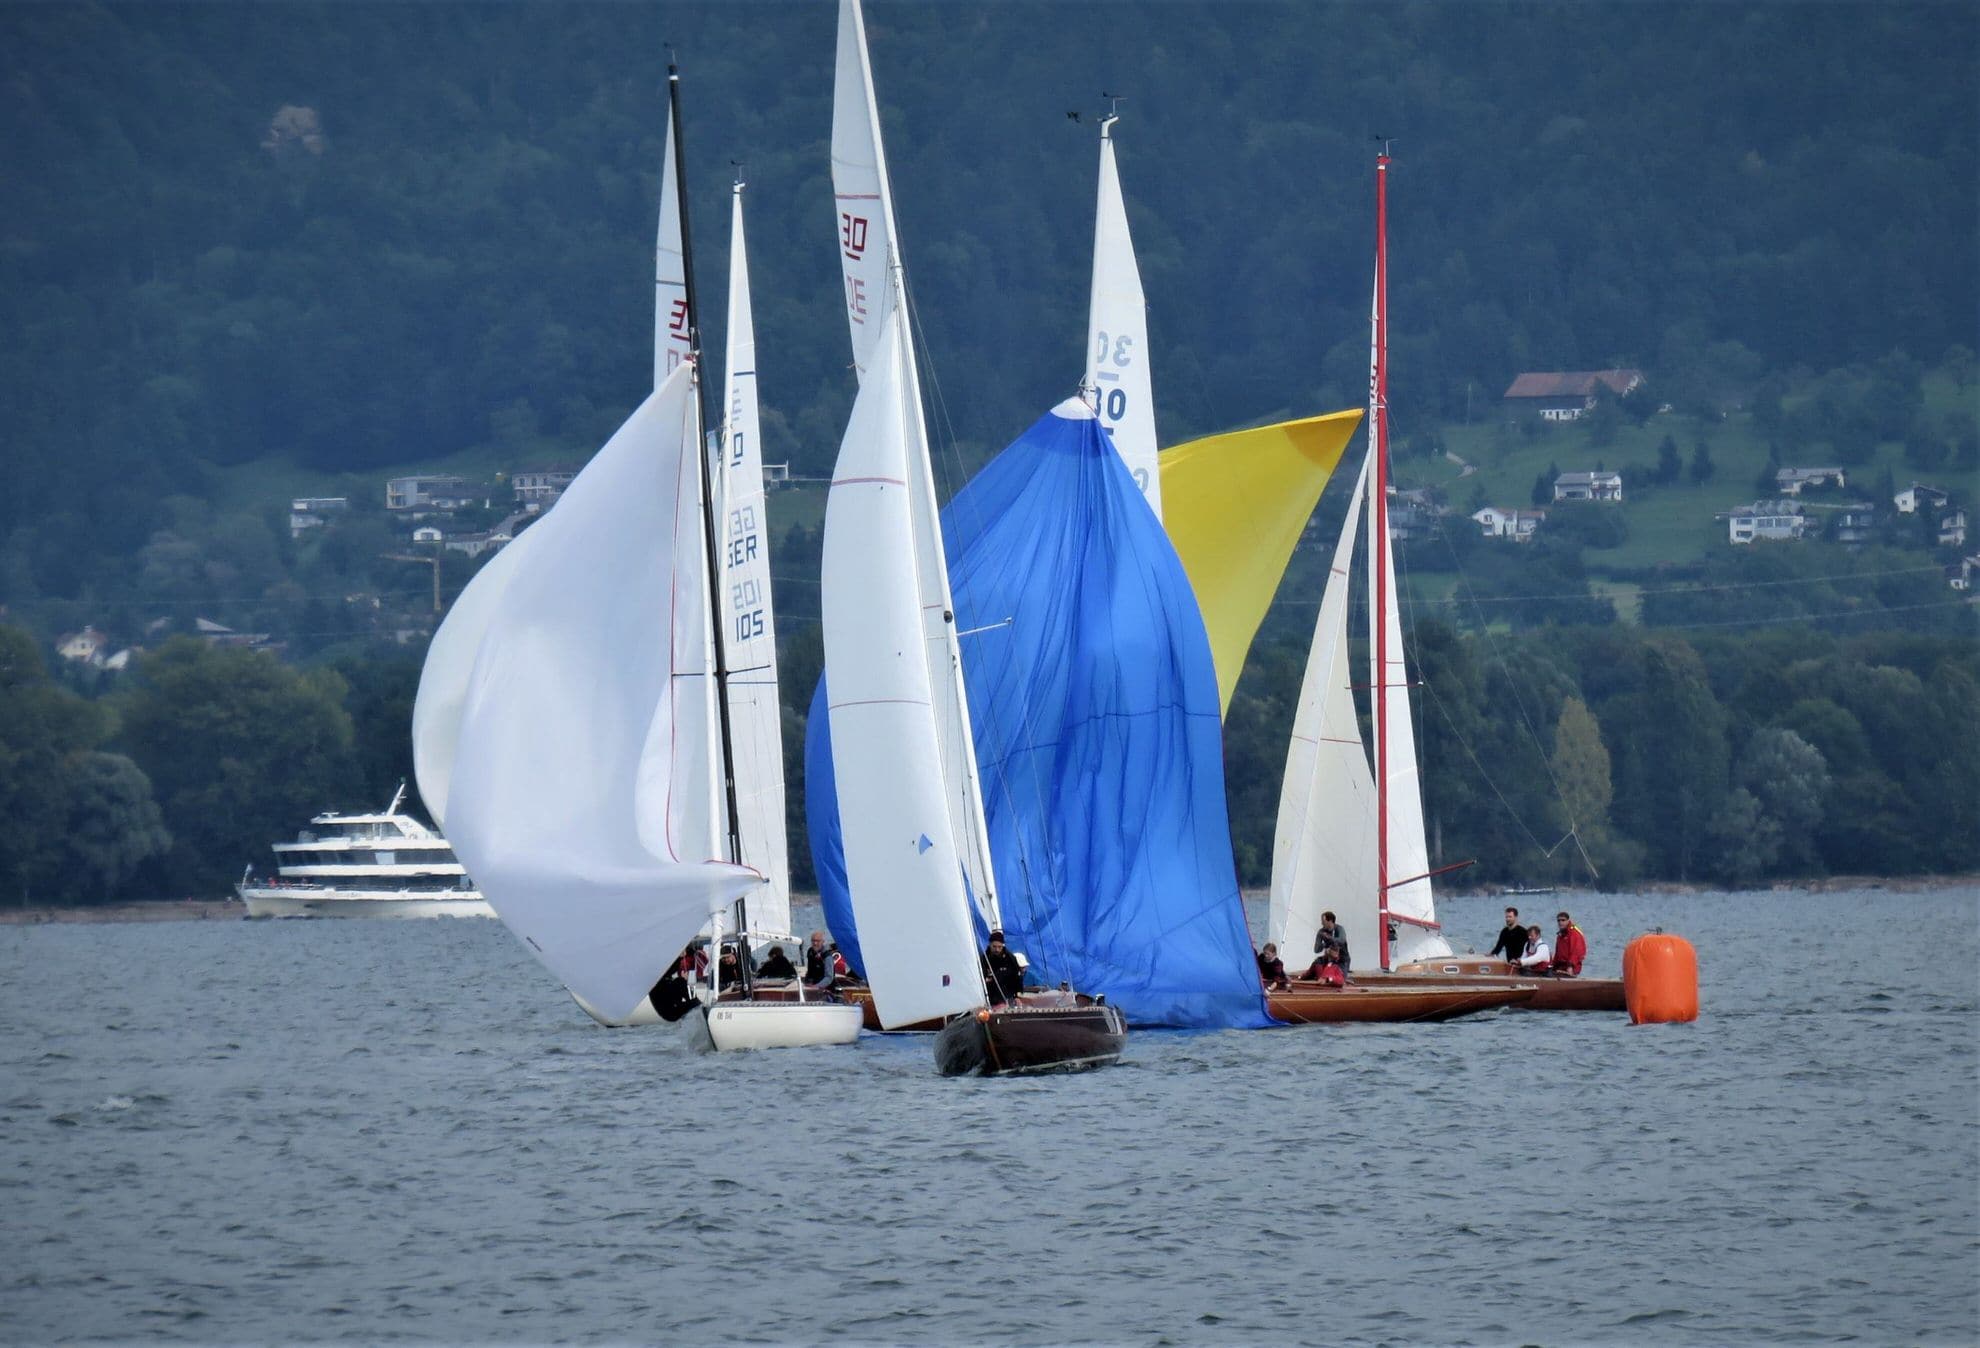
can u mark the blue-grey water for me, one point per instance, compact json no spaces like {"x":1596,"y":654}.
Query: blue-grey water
{"x":375,"y":1131}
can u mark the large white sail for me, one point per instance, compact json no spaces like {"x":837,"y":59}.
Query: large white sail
{"x":902,"y":869}
{"x":1117,"y":334}
{"x":558,"y":799}
{"x":1411,"y":902}
{"x":443,"y":679}
{"x":749,"y":630}
{"x":1323,"y":851}
{"x":870,"y":260}
{"x":698,"y":816}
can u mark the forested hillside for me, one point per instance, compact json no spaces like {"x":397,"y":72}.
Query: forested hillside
{"x":253,"y":251}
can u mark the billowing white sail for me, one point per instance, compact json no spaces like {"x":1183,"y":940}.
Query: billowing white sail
{"x":902,"y":870}
{"x":559,"y":791}
{"x":1323,"y":852}
{"x":869,"y":258}
{"x":443,"y":679}
{"x":749,"y":631}
{"x":1117,"y":335}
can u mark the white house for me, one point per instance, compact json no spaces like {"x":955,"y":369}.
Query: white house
{"x":1518,"y":525}
{"x":1766,"y":519}
{"x":1565,"y":395}
{"x":1952,"y":529}
{"x":426,"y":533}
{"x":1588,"y":487}
{"x":1790,"y":481}
{"x":88,"y":646}
{"x":541,"y":485}
{"x":1919,"y":495}
{"x":431,"y":491}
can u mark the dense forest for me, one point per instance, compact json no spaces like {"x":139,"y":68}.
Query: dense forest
{"x":256,"y":251}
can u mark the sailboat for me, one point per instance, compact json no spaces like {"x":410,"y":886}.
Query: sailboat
{"x":916,"y":848}
{"x":589,"y":761}
{"x":1349,"y":840}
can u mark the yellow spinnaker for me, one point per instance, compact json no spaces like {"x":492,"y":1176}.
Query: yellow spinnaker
{"x":1234,"y":506}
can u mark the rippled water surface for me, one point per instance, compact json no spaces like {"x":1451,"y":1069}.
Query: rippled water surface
{"x":230,"y":1131}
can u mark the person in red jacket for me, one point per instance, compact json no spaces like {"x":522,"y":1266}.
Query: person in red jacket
{"x":1570,"y":947}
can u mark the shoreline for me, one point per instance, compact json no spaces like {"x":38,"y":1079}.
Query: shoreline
{"x":233,"y":910}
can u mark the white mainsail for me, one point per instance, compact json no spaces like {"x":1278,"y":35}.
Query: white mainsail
{"x":749,"y":630}
{"x":1410,"y":899}
{"x":870,"y":259}
{"x":1323,"y":851}
{"x":1117,"y":376}
{"x":557,"y":803}
{"x":902,"y":869}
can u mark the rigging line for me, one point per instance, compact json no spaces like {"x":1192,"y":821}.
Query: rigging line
{"x":1450,"y":721}
{"x":1519,"y":702}
{"x":1647,"y":593}
{"x":952,"y":452}
{"x":1816,"y":617}
{"x":339,"y":597}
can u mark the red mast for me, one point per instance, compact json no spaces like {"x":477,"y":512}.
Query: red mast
{"x":1378,"y":541}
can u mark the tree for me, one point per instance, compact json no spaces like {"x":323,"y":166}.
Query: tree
{"x":1787,"y":776}
{"x":1702,"y":466}
{"x":1669,"y":462}
{"x":240,"y":749}
{"x":111,"y":828}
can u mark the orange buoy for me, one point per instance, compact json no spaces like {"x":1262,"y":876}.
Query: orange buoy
{"x":1660,"y":980}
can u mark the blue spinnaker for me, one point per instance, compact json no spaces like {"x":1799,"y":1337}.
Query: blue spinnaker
{"x":1095,"y":709}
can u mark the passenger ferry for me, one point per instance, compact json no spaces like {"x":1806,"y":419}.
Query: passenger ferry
{"x":365,"y":865}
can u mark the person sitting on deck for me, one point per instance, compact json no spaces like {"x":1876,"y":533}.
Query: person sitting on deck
{"x":1003,"y":978}
{"x":728,"y":969}
{"x":776,"y":964}
{"x":1330,"y":944}
{"x":1272,"y":969}
{"x":1512,"y":938}
{"x":1536,"y":958}
{"x":1570,"y":948}
{"x":822,"y":962}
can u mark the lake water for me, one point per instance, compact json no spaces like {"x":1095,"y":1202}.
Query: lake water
{"x":372,"y":1131}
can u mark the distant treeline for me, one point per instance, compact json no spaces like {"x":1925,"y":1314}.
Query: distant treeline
{"x":1602,"y":756}
{"x":242,"y":240}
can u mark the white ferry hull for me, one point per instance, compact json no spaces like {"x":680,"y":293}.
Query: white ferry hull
{"x":728,"y":1027}
{"x":291,"y":902}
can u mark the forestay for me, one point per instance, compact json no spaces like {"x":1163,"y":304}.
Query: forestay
{"x":558,"y":798}
{"x":1094,"y":697}
{"x":1117,"y":376}
{"x":749,"y":630}
{"x":905,"y":877}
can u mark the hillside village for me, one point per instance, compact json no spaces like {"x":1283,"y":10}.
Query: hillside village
{"x":448,"y":522}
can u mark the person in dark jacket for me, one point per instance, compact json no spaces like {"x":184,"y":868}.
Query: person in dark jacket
{"x":822,"y":961}
{"x":1271,"y":969}
{"x":1512,"y":938}
{"x":776,"y":964}
{"x":1003,"y":978}
{"x":1330,"y":943}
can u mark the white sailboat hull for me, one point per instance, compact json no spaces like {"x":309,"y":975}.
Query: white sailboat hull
{"x":728,"y":1027}
{"x":295,"y":901}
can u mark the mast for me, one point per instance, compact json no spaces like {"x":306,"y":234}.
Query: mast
{"x":1378,"y":540}
{"x":727,"y":757}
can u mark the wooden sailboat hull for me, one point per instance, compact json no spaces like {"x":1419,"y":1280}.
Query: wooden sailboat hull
{"x":1391,"y":1001}
{"x":1549,"y":993}
{"x":1027,"y":1038}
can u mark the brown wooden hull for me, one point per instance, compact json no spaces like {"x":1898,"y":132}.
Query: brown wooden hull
{"x":1026,"y":1038}
{"x":1550,"y":994}
{"x":1318,"y":1004}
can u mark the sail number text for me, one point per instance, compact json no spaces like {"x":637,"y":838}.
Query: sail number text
{"x":1111,"y":355}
